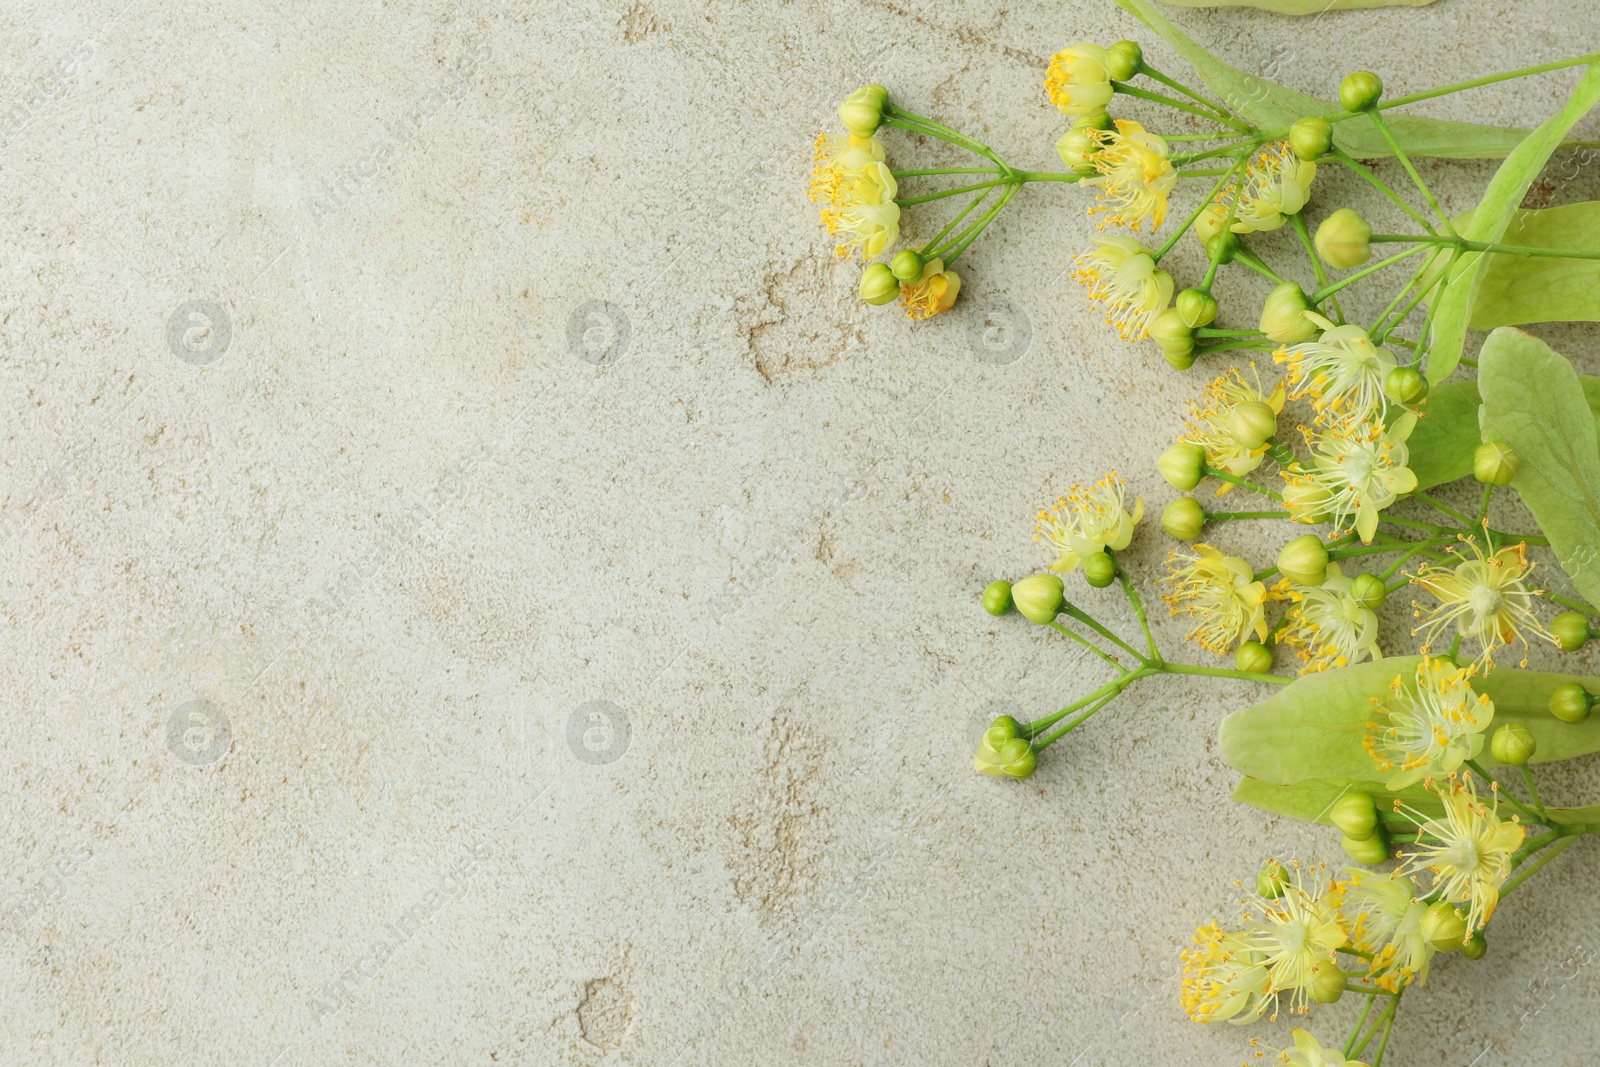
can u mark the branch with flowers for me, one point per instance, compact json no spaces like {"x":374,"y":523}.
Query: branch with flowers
{"x":1348,"y":428}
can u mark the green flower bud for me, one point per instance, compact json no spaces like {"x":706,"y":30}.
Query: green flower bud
{"x":1123,"y":60}
{"x":1475,"y":947}
{"x":1254,"y":657}
{"x":1570,"y":628}
{"x":1099,"y":570}
{"x":1177,"y":361}
{"x":907,"y":265}
{"x":1223,"y":246}
{"x":862,"y":110}
{"x":1405,"y":385}
{"x":1197,"y":307}
{"x":1327,"y":983}
{"x":1183,"y":519}
{"x":1369,"y":591}
{"x":1252,"y":422}
{"x":1356,"y":815}
{"x":1495,"y":463}
{"x":878,"y":284}
{"x":1077,"y":149}
{"x":1369,"y":850}
{"x":1311,"y":137}
{"x":1343,"y":240}
{"x":1304,"y":560}
{"x":1271,"y":880}
{"x":1003,"y":754}
{"x":1183,"y":465}
{"x":1093,"y":120}
{"x":1175,"y":336}
{"x":1360,"y":91}
{"x":1570,"y":702}
{"x":1039,"y":597}
{"x":997,"y":597}
{"x":1283,"y":315}
{"x":1512,"y":745}
{"x":1443,"y":925}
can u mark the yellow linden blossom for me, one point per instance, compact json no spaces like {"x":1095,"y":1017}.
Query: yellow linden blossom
{"x":837,"y":161}
{"x":1484,"y":597}
{"x":1277,"y":184}
{"x":1467,"y":850}
{"x":932,"y":293}
{"x":1088,"y":520}
{"x":1341,"y":372}
{"x":1328,"y":627}
{"x":1384,"y":914}
{"x":1077,"y":80}
{"x":1211,"y":422}
{"x":1242,"y":974}
{"x":866,"y":211}
{"x":1120,"y":273}
{"x":1308,"y":1052}
{"x":1429,"y":728}
{"x":1134,"y":175}
{"x":1221,"y":593}
{"x":1357,"y":471}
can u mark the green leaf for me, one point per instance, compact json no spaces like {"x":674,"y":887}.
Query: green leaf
{"x":1446,"y":436}
{"x":1313,"y":727}
{"x":1534,"y":401}
{"x":1519,"y":289}
{"x":1272,"y":107}
{"x":1492,"y":218}
{"x":1301,"y":7}
{"x":1313,"y":799}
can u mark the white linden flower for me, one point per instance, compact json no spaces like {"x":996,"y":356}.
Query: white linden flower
{"x":1328,"y":627}
{"x":1385,"y":915}
{"x":1341,"y":372}
{"x":1357,"y":472}
{"x":1431,"y":727}
{"x":1078,"y":80}
{"x":1277,"y":185}
{"x":1484,"y":597}
{"x":867,"y":212}
{"x":1122,"y":275}
{"x":1134,"y":176}
{"x":1211,"y":422}
{"x":1468,"y":851}
{"x":1307,"y":1052}
{"x":1088,"y":520}
{"x":1220,"y":593}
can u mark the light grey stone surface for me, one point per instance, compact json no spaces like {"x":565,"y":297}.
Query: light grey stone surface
{"x":588,"y":582}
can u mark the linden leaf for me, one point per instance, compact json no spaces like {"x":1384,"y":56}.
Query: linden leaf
{"x":1302,"y":7}
{"x":1533,"y":400}
{"x":1447,"y":435}
{"x":1519,"y":289}
{"x":1313,"y":800}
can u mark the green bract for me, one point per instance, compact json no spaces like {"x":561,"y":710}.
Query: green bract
{"x":1301,"y":7}
{"x":1519,"y":289}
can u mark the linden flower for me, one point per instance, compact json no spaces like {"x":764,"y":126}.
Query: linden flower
{"x":1468,"y":851}
{"x":1307,"y":1052}
{"x":1384,"y":913}
{"x":1088,"y":520}
{"x":1358,"y":470}
{"x":1078,"y":80}
{"x":1134,"y":176}
{"x":867,"y":212}
{"x":1431,"y":728}
{"x":1277,"y":185}
{"x":1221,"y":593}
{"x":836,"y":163}
{"x":1484,"y":596}
{"x":1211,"y":422}
{"x":1328,"y":627}
{"x":1121,"y":274}
{"x":1224,"y":978}
{"x":932,"y":293}
{"x":1341,"y":372}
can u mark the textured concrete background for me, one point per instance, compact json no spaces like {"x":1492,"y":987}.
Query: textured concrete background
{"x":478,"y":588}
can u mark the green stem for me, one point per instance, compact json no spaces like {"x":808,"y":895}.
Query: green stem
{"x":1405,"y":161}
{"x":1160,"y":98}
{"x":1137,"y":604}
{"x":1328,"y":290}
{"x":1446,"y":508}
{"x":1075,"y":612}
{"x":1432,"y":527}
{"x":1402,"y":101}
{"x":1533,"y":794}
{"x":1527,"y":872}
{"x":978,"y":227}
{"x":907,"y":120}
{"x":910,"y":201}
{"x":1086,"y":643}
{"x":1242,"y":483}
{"x":1388,"y":1028}
{"x":1254,"y":262}
{"x":1230,"y":516}
{"x":925,"y":172}
{"x":1383,"y":326}
{"x":1297,"y":223}
{"x":1382,"y":186}
{"x":927,"y":249}
{"x":1483,"y":246}
{"x":1198,"y":211}
{"x":1224,"y":672}
{"x":1420,"y":546}
{"x":1575,"y":605}
{"x":1506,"y":798}
{"x":1385,"y":1020}
{"x":1349,"y":1045}
{"x":1171,"y":83}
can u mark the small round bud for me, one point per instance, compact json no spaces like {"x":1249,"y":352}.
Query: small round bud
{"x":1175,"y":336}
{"x":1253,"y":657}
{"x":1443,"y":925}
{"x":1512,"y":745}
{"x":862,"y":110}
{"x":1123,"y":60}
{"x":997,"y":598}
{"x":1077,"y":148}
{"x":878,"y":284}
{"x":1283,"y":315}
{"x":1271,"y":880}
{"x":907,"y":265}
{"x":1369,"y":850}
{"x":1252,"y":422}
{"x":1356,"y":815}
{"x":1570,"y":628}
{"x":1475,"y":947}
{"x":1304,"y":561}
{"x":1004,"y":728}
{"x":1344,"y":240}
{"x":1099,"y":570}
{"x":1183,"y":519}
{"x":1183,"y":465}
{"x":1495,"y":463}
{"x":1223,"y":246}
{"x":1003,"y":754}
{"x":1360,"y":91}
{"x":1179,"y":362}
{"x":1405,"y":385}
{"x":1570,"y":702}
{"x":1327,"y":983}
{"x":1311,"y":137}
{"x":1093,"y":120}
{"x":1197,"y":307}
{"x":1039,"y":597}
{"x":1368,"y":590}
